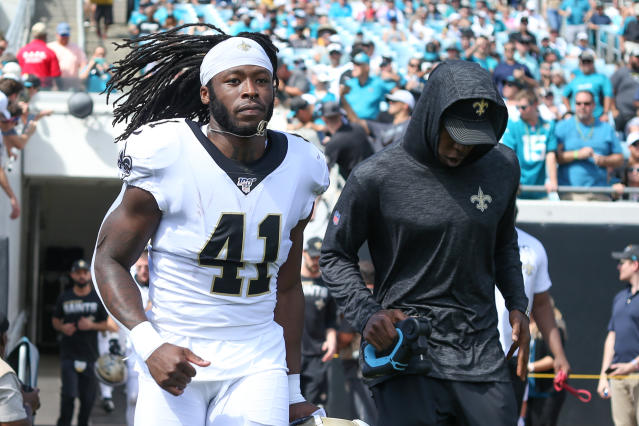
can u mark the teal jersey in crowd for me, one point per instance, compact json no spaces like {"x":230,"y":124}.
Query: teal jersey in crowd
{"x":598,"y":84}
{"x":573,"y":136}
{"x":578,"y":10}
{"x":365,"y":99}
{"x":531,"y":144}
{"x":488,"y":63}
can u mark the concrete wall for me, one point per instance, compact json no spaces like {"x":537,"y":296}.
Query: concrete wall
{"x":7,"y":12}
{"x":12,"y":229}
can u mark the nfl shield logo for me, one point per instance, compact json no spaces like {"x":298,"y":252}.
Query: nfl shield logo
{"x":336,"y":217}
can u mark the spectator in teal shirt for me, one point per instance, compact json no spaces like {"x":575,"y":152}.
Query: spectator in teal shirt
{"x":340,"y":9}
{"x":243,"y":25}
{"x":366,"y":91}
{"x":534,"y":142}
{"x":481,"y":54}
{"x":597,"y":84}
{"x":586,"y":147}
{"x":575,"y":13}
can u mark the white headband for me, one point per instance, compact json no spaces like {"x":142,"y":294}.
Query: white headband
{"x":230,"y":53}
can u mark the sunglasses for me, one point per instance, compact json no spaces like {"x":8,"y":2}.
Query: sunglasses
{"x":632,"y":169}
{"x":522,"y":107}
{"x":583,"y":103}
{"x":586,"y":61}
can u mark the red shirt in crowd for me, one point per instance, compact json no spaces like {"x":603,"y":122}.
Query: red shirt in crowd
{"x":36,"y":58}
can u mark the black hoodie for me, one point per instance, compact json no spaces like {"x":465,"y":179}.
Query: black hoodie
{"x":439,"y":237}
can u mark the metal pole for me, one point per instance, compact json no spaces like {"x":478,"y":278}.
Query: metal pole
{"x":79,"y":21}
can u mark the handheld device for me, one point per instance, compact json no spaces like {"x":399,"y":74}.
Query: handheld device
{"x":411,"y":338}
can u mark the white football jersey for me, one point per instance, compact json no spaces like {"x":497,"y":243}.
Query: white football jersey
{"x":534,"y":268}
{"x":225,"y":226}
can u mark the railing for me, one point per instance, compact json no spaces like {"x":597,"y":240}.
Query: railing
{"x":607,"y":43}
{"x":79,"y":22}
{"x":581,"y":189}
{"x":18,"y":31}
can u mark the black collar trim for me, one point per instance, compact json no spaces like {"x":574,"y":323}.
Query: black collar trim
{"x":246,"y":176}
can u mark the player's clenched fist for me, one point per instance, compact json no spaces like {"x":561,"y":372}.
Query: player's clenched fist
{"x":171,"y":367}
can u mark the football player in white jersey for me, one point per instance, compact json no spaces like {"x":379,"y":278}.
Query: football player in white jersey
{"x":225,"y":203}
{"x":534,"y":269}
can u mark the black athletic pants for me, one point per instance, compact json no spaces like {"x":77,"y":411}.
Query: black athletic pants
{"x":519,"y":386}
{"x":545,"y":411}
{"x":362,"y":403}
{"x":314,"y":379}
{"x":412,"y":400}
{"x":82,"y":385}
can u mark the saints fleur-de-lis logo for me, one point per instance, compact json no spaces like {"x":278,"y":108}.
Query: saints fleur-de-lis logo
{"x":244,"y":46}
{"x":480,"y":107}
{"x":527,"y":268}
{"x":124,"y":163}
{"x":481,"y":199}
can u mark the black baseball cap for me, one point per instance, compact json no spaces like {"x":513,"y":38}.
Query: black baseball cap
{"x":314,"y":246}
{"x":631,"y":252}
{"x":298,"y":103}
{"x":467,"y":121}
{"x":330,"y":109}
{"x":80,"y":264}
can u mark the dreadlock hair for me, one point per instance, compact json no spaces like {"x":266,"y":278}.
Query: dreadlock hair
{"x":171,"y":87}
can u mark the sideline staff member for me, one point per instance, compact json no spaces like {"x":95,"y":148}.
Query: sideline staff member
{"x":438,"y":212}
{"x":78,"y":315}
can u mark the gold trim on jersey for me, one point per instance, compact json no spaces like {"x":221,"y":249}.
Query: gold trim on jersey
{"x":277,"y":254}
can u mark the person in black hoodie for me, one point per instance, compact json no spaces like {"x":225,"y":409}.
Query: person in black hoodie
{"x":438,"y":213}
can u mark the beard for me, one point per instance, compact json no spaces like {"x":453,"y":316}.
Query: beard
{"x":223,"y":117}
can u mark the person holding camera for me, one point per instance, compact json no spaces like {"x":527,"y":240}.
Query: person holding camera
{"x":97,"y":72}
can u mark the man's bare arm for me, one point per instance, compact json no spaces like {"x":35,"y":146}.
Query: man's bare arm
{"x":543,"y":314}
{"x":289,"y":309}
{"x":123,"y":236}
{"x":289,"y":312}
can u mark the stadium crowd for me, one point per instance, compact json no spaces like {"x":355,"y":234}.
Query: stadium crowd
{"x":368,"y":56}
{"x":350,"y":74}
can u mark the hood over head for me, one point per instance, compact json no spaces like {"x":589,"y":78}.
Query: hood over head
{"x":461,"y":96}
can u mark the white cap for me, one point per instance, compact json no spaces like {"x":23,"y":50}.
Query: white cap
{"x":4,"y":103}
{"x":335,"y":38}
{"x":334,"y":47}
{"x":323,"y":77}
{"x":632,"y":138}
{"x":310,"y":99}
{"x":403,"y":96}
{"x":582,"y":36}
{"x":11,"y":70}
{"x":38,"y":29}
